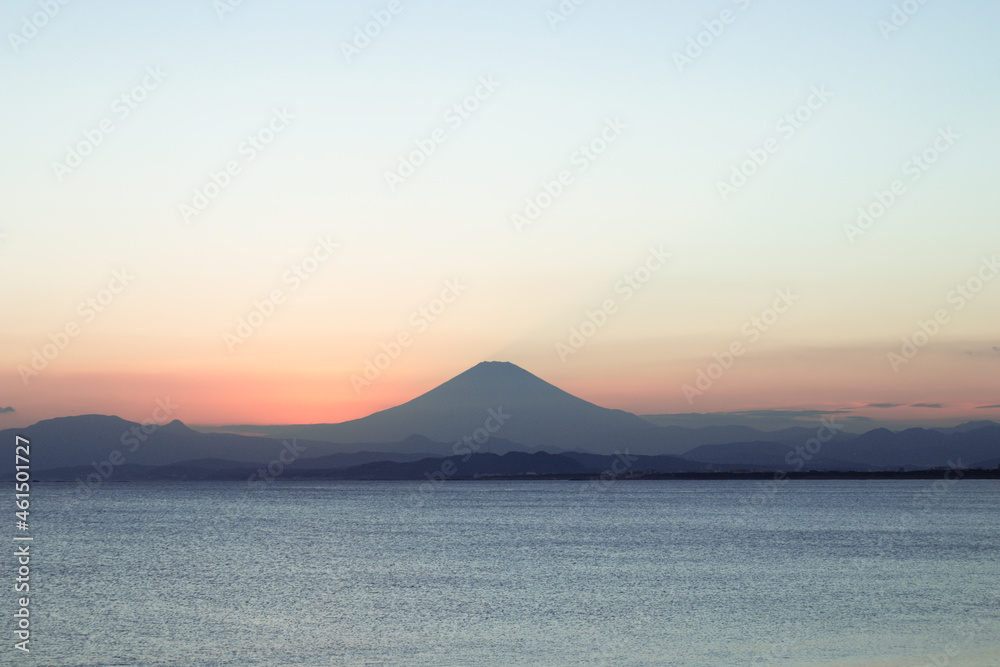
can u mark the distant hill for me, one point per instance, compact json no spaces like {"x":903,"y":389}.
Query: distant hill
{"x":68,"y":447}
{"x":684,"y":439}
{"x":921,"y":448}
{"x":599,"y":463}
{"x":768,"y":456}
{"x":68,"y":441}
{"x":878,"y":449}
{"x":968,"y":426}
{"x":477,"y":465}
{"x":104,"y":441}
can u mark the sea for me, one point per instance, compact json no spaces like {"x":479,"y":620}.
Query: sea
{"x":614,"y":572}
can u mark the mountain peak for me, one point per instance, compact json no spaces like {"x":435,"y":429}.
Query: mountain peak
{"x":495,"y":367}
{"x":492,"y":381}
{"x":178,"y":426}
{"x":496,"y":399}
{"x":973,"y":426}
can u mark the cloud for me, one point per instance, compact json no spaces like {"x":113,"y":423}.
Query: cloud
{"x":3,"y":410}
{"x":784,"y":413}
{"x":764,"y":420}
{"x":987,"y":407}
{"x":978,"y":353}
{"x":904,"y":405}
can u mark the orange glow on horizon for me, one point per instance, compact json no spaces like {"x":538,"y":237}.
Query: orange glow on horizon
{"x":216,"y":399}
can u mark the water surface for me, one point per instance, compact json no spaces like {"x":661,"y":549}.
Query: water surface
{"x":517,"y":573}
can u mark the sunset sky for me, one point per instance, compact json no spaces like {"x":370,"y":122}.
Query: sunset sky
{"x":170,"y":168}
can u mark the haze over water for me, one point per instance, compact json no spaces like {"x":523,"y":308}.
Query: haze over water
{"x":519,"y":573}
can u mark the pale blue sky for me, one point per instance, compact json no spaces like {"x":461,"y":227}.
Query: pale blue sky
{"x":656,"y":184}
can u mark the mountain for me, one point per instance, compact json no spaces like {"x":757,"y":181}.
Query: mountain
{"x":968,"y":426}
{"x":112,"y":444}
{"x":598,"y":463}
{"x":919,"y":447}
{"x":511,"y":464}
{"x":541,"y":416}
{"x":493,"y":408}
{"x":71,"y":447}
{"x":878,"y":449}
{"x":682,"y":439}
{"x":521,"y":407}
{"x":768,"y":456}
{"x":477,"y":465}
{"x":86,"y":439}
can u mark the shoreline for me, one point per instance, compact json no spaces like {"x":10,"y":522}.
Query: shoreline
{"x":774,"y":475}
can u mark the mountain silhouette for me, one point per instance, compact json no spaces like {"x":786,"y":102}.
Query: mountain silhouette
{"x":533,"y":412}
{"x":972,"y":443}
{"x":110,"y":441}
{"x":493,"y":408}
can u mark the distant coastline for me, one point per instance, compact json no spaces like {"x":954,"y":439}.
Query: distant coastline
{"x":168,"y":473}
{"x":976,"y":473}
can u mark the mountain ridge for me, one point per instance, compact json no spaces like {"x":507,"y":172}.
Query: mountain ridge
{"x":497,"y":408}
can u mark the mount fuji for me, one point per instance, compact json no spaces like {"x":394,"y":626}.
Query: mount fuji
{"x":500,"y":396}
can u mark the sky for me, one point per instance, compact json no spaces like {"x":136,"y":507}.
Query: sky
{"x":298,"y":211}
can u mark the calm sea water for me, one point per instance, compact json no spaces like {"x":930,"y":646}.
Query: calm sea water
{"x":515,"y":573}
